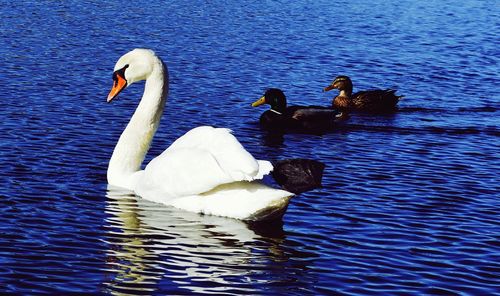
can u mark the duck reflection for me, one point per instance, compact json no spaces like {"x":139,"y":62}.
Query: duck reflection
{"x":156,"y":247}
{"x":273,"y":139}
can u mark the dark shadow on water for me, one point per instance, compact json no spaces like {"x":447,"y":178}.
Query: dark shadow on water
{"x":273,"y":139}
{"x":460,"y":110}
{"x":270,"y":229}
{"x":277,"y":138}
{"x":422,"y":130}
{"x":356,"y":121}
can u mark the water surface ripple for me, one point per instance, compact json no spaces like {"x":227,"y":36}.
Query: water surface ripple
{"x":409,"y":203}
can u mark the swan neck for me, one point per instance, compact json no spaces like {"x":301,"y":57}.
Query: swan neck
{"x":135,"y":140}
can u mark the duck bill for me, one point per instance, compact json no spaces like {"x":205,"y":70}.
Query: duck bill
{"x":119,"y":83}
{"x":330,"y":87}
{"x":259,"y":101}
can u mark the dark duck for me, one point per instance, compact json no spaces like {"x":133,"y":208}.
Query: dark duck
{"x":375,"y":101}
{"x":315,"y":119}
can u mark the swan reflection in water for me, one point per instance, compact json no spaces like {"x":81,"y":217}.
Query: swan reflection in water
{"x":153,"y":246}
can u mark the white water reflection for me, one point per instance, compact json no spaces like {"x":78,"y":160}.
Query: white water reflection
{"x":152,"y":245}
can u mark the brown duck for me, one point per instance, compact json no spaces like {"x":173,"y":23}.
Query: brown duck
{"x":377,"y":101}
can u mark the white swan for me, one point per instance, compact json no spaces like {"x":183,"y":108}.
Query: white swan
{"x":205,"y":171}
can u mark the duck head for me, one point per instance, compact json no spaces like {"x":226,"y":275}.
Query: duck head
{"x":274,"y":97}
{"x":342,"y":83}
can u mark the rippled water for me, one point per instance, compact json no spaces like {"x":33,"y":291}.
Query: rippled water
{"x":410,"y":201}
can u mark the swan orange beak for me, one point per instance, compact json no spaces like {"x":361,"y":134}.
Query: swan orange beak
{"x":330,"y":87}
{"x":259,"y":102}
{"x":119,"y":83}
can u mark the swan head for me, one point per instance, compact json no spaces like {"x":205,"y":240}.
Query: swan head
{"x":135,"y":65}
{"x":274,"y":97}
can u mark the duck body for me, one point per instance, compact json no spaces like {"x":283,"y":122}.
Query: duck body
{"x":375,"y":101}
{"x":295,"y":118}
{"x":299,"y":118}
{"x":205,"y":171}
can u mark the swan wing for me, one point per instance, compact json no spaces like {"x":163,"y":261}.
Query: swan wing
{"x":202,"y":159}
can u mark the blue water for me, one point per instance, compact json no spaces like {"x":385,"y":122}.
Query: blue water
{"x":410,"y":202}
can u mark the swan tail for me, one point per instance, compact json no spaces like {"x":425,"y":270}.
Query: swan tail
{"x":298,"y":175}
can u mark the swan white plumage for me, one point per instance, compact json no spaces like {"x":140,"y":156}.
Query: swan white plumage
{"x":205,"y":171}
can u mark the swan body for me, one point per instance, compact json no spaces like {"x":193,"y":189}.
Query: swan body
{"x":205,"y":171}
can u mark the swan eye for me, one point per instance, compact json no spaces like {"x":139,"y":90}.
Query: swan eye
{"x":120,"y":72}
{"x":119,"y":75}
